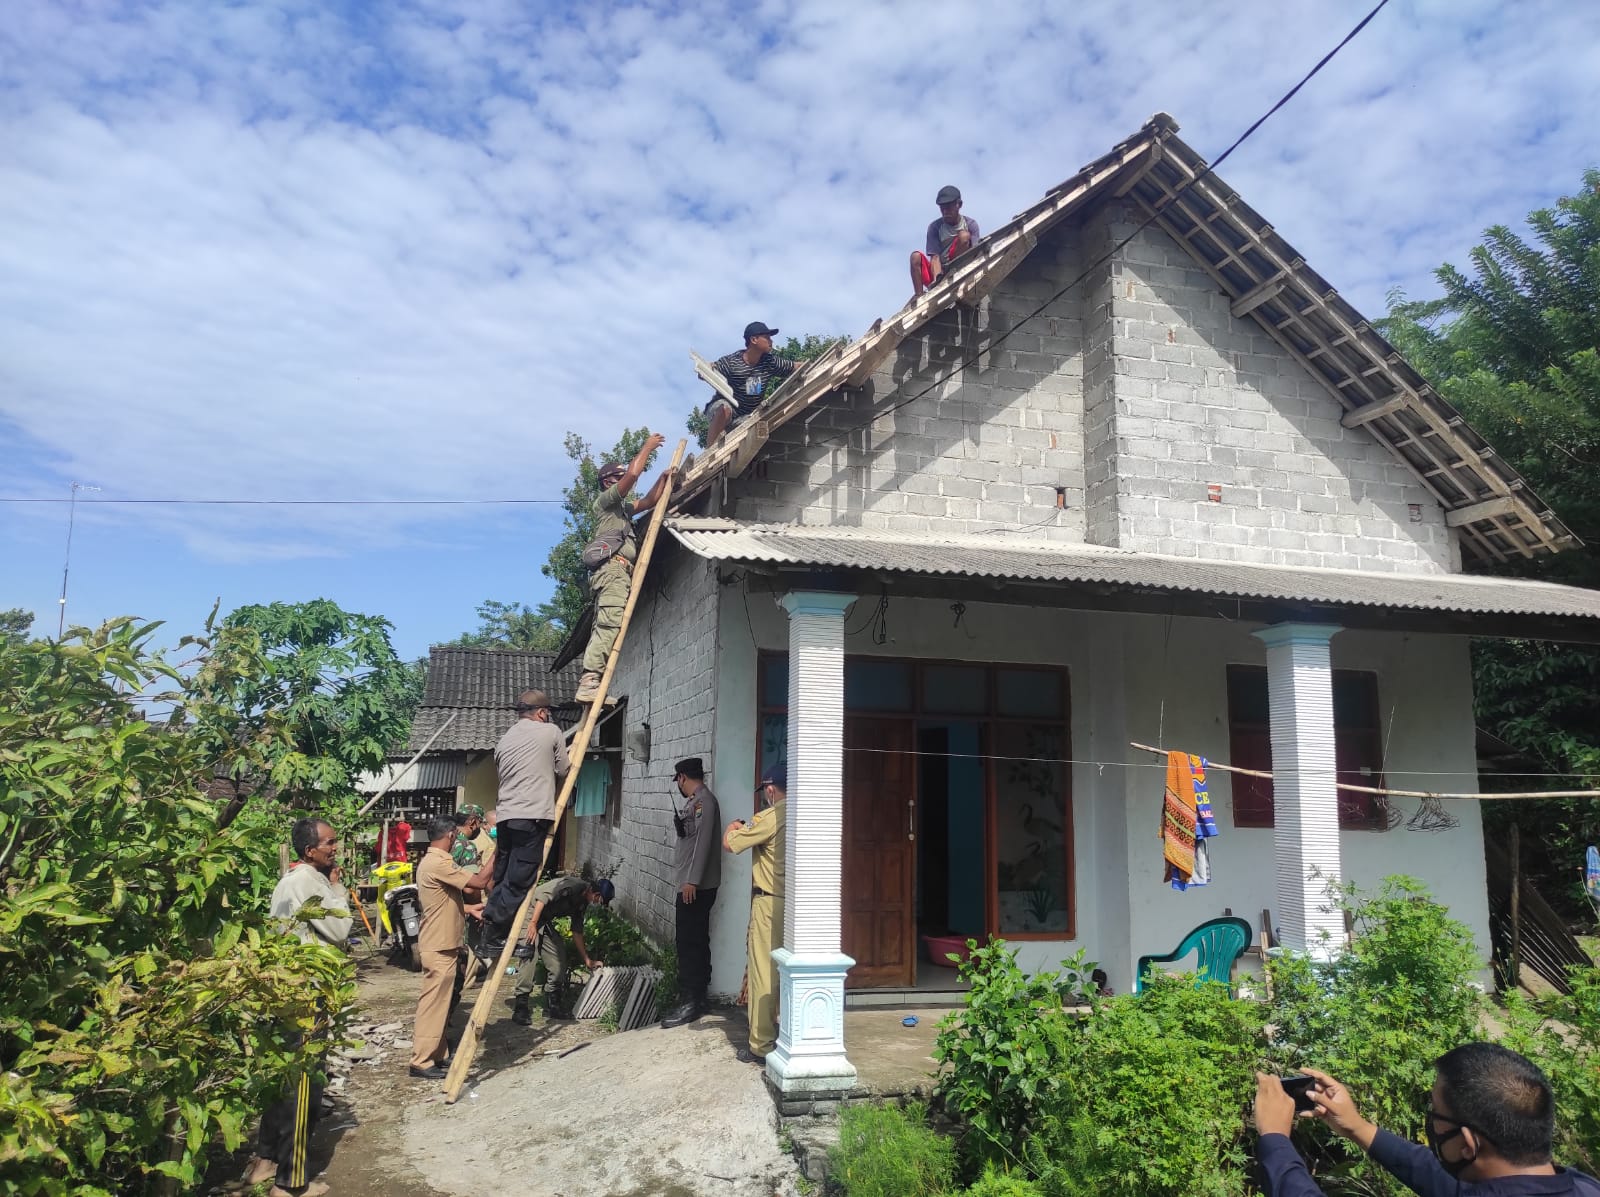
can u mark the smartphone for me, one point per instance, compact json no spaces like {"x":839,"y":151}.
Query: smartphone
{"x":1299,"y":1088}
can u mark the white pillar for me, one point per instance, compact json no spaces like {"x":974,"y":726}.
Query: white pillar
{"x":1305,"y":801}
{"x":809,"y":1057}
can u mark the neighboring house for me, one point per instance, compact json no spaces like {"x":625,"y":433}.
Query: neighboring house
{"x":468,"y":703}
{"x":1131,"y":472}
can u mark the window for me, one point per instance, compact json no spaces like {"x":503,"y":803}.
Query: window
{"x":1357,"y":737}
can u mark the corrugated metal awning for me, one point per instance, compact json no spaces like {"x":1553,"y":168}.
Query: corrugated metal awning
{"x":793,"y":546}
{"x":429,"y":773}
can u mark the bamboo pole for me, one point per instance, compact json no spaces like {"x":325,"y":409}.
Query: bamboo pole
{"x":1516,"y":906}
{"x":1210,"y":764}
{"x":389,"y":785}
{"x":461,"y":1062}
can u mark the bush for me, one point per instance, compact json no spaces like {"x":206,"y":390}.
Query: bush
{"x":1561,"y":1034}
{"x":1151,"y":1096}
{"x":998,"y":1055}
{"x":889,"y":1151}
{"x":995,"y":1183}
{"x":1378,"y":1016}
{"x":147,"y":1003}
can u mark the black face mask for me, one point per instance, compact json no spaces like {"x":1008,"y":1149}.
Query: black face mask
{"x":1436,"y":1143}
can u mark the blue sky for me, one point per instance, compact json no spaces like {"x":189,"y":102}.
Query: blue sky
{"x":284,"y":250}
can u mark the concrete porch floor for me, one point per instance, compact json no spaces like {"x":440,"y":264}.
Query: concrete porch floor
{"x":892,"y":1060}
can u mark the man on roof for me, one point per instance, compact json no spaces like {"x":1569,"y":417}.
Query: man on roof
{"x":750,"y":372}
{"x":609,"y":557}
{"x":948,"y":238}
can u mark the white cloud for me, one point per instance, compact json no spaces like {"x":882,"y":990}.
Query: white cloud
{"x":268,"y":250}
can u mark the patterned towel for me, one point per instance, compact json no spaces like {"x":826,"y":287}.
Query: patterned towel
{"x":1186,"y":822}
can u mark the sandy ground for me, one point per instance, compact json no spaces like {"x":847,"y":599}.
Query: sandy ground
{"x":649,"y":1113}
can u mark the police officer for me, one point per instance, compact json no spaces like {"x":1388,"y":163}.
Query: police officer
{"x":763,"y":837}
{"x":697,"y":868}
{"x":560,"y":897}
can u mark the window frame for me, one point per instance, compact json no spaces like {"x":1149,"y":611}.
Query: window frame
{"x":1357,"y":812}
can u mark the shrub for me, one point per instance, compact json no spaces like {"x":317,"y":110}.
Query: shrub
{"x":998,"y":1055}
{"x":1561,"y":1034}
{"x":995,"y":1183}
{"x":1378,"y":1016}
{"x":889,"y":1151}
{"x":147,"y":1003}
{"x":1151,"y":1094}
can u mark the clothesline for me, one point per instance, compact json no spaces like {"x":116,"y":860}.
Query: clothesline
{"x":1343,"y":785}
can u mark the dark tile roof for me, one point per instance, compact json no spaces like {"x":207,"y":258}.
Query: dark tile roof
{"x":478,"y":686}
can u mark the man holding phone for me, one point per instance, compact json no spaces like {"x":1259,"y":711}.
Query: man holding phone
{"x":1490,"y":1122}
{"x":697,"y":869}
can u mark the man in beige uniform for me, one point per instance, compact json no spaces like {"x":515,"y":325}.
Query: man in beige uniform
{"x":441,"y":885}
{"x":764,"y":836}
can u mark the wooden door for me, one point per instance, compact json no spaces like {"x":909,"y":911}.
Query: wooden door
{"x":880,"y":796}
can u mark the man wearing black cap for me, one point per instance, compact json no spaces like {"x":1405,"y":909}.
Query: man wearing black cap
{"x":697,"y":868}
{"x":763,"y":836}
{"x":560,"y":897}
{"x":609,"y":557}
{"x":748,"y":372}
{"x":948,"y":238}
{"x":529,"y":759}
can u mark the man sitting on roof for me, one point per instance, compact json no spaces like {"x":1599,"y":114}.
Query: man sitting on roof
{"x":748,"y":372}
{"x":948,"y":238}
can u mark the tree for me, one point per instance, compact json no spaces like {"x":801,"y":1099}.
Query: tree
{"x":511,"y":625}
{"x":298,"y":699}
{"x":15,"y":623}
{"x":796,"y":349}
{"x":148,"y":1005}
{"x":1513,"y":346}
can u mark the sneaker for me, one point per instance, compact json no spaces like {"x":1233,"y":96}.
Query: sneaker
{"x":746,"y":1056}
{"x":434,"y":1073}
{"x":588,"y":687}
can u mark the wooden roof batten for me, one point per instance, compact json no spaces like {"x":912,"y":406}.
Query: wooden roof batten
{"x":1496,"y":512}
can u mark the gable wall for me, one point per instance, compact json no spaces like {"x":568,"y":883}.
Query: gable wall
{"x":1204,"y":397}
{"x":677,"y":626}
{"x":981,"y":452}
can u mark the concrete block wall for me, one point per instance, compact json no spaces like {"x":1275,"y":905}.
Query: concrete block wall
{"x":982,"y":451}
{"x":677,"y":627}
{"x":1203,"y":397}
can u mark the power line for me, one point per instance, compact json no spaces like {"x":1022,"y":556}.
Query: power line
{"x":961,"y":366}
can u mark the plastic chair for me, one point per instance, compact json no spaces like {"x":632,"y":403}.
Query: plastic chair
{"x":1218,"y":943}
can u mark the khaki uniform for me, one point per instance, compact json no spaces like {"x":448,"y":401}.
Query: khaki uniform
{"x":764,"y":836}
{"x":440,"y":885}
{"x":610,"y":583}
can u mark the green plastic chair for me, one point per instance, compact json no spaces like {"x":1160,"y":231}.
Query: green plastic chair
{"x":1218,"y":943}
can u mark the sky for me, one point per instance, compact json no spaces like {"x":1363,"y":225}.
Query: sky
{"x":322,"y":250}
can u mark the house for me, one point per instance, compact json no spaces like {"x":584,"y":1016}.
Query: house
{"x":1132,"y":472}
{"x":466,"y":707}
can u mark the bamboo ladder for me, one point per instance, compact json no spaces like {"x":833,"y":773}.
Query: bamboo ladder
{"x":461,"y":1062}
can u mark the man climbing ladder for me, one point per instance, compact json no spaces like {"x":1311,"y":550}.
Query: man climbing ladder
{"x":662,"y":492}
{"x":610,"y":556}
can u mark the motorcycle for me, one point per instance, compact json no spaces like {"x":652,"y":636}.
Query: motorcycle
{"x":403,"y":905}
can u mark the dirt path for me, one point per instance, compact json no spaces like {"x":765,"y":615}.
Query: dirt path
{"x":648,"y":1113}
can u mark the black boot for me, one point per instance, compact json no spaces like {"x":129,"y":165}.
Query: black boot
{"x":491,"y":943}
{"x":520,"y":1013}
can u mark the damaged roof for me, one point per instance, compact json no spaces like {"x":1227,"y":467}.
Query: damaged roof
{"x":1497,"y":514}
{"x":478,"y":686}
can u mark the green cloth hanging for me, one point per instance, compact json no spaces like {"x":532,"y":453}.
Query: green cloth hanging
{"x":593,"y":781}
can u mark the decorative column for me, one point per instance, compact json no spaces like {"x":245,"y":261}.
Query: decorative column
{"x":809,"y":1058}
{"x":1305,"y":801}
